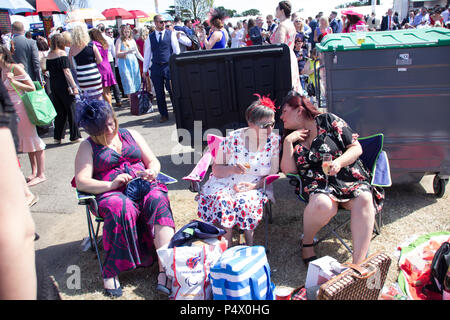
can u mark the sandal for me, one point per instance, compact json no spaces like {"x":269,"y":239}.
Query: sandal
{"x":312,"y":258}
{"x":163,"y":288}
{"x":114,"y":293}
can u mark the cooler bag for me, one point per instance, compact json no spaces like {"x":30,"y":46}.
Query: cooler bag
{"x":242,"y":273}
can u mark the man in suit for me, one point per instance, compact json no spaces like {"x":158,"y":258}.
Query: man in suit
{"x":26,"y":52}
{"x":389,"y":21}
{"x":158,"y":48}
{"x":335,"y":24}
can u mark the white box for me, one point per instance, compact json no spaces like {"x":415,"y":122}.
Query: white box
{"x":321,"y":270}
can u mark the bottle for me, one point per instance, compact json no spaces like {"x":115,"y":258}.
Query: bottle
{"x":446,"y":291}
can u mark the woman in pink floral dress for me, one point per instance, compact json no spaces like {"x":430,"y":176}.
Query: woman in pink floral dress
{"x":233,"y":194}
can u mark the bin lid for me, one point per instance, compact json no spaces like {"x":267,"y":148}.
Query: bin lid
{"x":405,"y":38}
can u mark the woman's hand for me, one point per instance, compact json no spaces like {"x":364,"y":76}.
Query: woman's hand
{"x":244,"y":186}
{"x":335,"y":167}
{"x":10,"y":76}
{"x":149,"y":174}
{"x":120,"y":180}
{"x":239,"y":169}
{"x":297,"y":135}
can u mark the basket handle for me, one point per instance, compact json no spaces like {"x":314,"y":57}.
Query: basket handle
{"x":361,"y":272}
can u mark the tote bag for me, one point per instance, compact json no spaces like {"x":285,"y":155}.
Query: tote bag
{"x":39,"y":107}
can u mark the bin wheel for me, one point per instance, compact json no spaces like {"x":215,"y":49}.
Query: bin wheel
{"x":439,"y":186}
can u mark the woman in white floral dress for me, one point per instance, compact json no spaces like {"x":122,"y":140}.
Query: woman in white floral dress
{"x":233,"y":194}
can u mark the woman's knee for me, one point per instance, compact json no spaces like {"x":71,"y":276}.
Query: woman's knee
{"x":321,"y":204}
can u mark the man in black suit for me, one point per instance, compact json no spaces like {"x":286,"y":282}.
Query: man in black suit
{"x":389,"y":21}
{"x":26,"y":52}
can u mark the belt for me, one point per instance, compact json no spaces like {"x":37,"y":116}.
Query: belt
{"x":161,"y":63}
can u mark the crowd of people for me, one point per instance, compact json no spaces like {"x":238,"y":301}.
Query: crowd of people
{"x":101,"y":64}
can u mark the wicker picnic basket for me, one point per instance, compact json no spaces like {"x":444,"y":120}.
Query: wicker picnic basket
{"x":360,"y":282}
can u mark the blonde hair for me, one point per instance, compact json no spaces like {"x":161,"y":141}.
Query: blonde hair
{"x":144,"y":33}
{"x":67,"y":38}
{"x":122,"y":32}
{"x":80,"y":35}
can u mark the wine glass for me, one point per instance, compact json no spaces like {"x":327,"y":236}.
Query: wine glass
{"x":326,"y":164}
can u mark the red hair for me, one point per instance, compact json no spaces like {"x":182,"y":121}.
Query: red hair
{"x":295,"y":100}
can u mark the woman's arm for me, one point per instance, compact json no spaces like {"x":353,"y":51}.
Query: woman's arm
{"x":287,"y":158}
{"x":84,"y":169}
{"x":17,"y":260}
{"x":216,"y":37}
{"x":70,"y":80}
{"x":220,"y":168}
{"x":138,"y":54}
{"x":119,"y":53}
{"x":25,"y":85}
{"x":98,"y":56}
{"x":347,"y":158}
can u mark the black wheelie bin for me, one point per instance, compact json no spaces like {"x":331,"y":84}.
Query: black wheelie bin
{"x":211,"y":89}
{"x":397,"y":83}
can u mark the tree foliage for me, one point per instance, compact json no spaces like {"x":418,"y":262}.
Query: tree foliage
{"x":251,"y":12}
{"x":197,"y":9}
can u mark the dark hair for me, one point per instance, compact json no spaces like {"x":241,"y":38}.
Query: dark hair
{"x":57,"y":41}
{"x":7,"y":55}
{"x":286,"y":7}
{"x":96,"y":35}
{"x":217,"y":18}
{"x":42,"y":44}
{"x":101,"y":27}
{"x":250,"y":24}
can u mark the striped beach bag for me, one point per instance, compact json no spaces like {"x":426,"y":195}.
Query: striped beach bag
{"x":242,"y":273}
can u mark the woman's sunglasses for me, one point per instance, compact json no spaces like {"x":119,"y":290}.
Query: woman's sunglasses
{"x":266,"y":125}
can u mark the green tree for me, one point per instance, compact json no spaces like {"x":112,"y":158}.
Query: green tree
{"x":251,"y":12}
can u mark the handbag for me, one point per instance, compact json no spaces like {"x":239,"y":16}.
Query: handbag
{"x":145,"y":99}
{"x":39,"y":107}
{"x":359,"y":282}
{"x":242,"y":273}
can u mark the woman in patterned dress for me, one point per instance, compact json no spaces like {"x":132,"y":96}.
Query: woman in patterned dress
{"x":233,"y":194}
{"x":309,"y":135}
{"x":105,"y":163}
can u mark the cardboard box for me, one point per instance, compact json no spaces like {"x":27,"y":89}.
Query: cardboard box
{"x":322,"y":270}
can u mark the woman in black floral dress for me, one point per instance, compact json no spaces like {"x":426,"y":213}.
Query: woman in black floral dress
{"x":309,"y":135}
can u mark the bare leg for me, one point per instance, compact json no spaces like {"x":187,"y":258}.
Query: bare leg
{"x":362,"y":222}
{"x":163,"y":234}
{"x":33,"y":165}
{"x":317,"y":214}
{"x":229,"y":236}
{"x":249,"y":237}
{"x":107,"y":95}
{"x":40,"y":164}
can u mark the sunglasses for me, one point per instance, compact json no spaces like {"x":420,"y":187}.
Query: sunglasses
{"x":266,"y":125}
{"x":168,"y":26}
{"x":160,"y":21}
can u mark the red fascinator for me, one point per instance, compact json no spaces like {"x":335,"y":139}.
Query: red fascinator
{"x":266,"y":101}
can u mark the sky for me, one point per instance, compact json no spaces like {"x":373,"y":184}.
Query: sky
{"x":264,"y":6}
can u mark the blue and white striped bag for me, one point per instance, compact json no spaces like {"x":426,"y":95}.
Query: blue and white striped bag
{"x":242,"y":273}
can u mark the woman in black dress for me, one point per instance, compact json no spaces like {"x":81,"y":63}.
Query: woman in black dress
{"x":311,"y":134}
{"x":63,"y":90}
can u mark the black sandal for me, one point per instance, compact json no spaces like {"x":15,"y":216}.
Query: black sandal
{"x":314,"y":257}
{"x":163,"y":288}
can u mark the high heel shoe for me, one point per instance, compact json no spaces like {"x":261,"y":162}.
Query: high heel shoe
{"x":164,"y":289}
{"x":308,"y":260}
{"x":114,"y":293}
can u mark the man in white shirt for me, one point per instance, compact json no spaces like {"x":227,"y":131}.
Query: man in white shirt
{"x":111,"y":56}
{"x":158,"y":48}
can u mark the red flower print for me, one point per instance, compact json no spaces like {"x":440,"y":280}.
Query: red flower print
{"x":356,"y":174}
{"x":337,"y":125}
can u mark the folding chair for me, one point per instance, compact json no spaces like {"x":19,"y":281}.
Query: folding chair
{"x":90,"y":202}
{"x":375,"y":160}
{"x":199,"y":172}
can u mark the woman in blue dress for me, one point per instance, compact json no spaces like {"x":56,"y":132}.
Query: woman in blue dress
{"x":127,"y":54}
{"x":218,"y":36}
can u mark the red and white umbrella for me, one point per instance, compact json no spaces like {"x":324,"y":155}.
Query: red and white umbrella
{"x":139,"y":14}
{"x":114,"y":13}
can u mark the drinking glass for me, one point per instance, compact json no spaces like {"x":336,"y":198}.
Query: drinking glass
{"x":326,"y":163}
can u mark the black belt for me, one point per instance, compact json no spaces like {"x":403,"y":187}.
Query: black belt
{"x":161,"y":63}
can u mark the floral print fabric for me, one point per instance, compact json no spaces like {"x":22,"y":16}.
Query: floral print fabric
{"x":219,"y":203}
{"x":334,"y":136}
